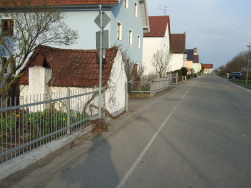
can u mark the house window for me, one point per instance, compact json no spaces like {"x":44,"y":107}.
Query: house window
{"x":130,"y":37}
{"x":119,"y":31}
{"x":7,"y":27}
{"x":136,"y":10}
{"x":126,"y":4}
{"x":3,"y":64}
{"x":138,"y":41}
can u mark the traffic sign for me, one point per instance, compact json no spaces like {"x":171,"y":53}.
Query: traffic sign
{"x":105,"y":20}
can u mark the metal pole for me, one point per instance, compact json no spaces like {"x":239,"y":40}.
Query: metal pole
{"x":68,"y":111}
{"x":248,"y":65}
{"x":100,"y":63}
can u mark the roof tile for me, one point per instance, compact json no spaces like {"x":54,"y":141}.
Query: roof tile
{"x":178,"y":43}
{"x":158,"y":26}
{"x":72,"y":68}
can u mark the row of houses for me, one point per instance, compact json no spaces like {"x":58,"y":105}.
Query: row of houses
{"x":130,"y":30}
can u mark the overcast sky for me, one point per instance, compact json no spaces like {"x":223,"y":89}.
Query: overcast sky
{"x":219,"y":29}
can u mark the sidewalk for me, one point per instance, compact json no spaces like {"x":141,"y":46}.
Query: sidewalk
{"x":56,"y":163}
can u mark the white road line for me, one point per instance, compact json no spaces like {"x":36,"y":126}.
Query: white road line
{"x":130,"y":171}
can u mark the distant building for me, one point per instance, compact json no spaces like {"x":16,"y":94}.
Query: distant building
{"x":189,"y":60}
{"x":177,"y":49}
{"x":208,"y":68}
{"x":157,"y":39}
{"x":196,"y":61}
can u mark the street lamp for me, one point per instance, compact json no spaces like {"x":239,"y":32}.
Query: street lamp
{"x":248,"y":64}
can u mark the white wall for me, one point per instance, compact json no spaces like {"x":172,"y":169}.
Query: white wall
{"x":115,"y":95}
{"x":150,"y":46}
{"x":176,"y":62}
{"x":196,"y":67}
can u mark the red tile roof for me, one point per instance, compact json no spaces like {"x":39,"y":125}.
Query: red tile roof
{"x":71,"y":68}
{"x":64,"y":2}
{"x":178,"y":43}
{"x":158,"y":26}
{"x":208,"y":66}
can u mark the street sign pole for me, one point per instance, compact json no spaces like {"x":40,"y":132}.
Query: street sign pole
{"x":100,"y":63}
{"x":101,"y":20}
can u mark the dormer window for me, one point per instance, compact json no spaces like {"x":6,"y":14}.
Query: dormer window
{"x":7,"y":27}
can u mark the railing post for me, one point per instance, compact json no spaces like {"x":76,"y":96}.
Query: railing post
{"x":68,"y":111}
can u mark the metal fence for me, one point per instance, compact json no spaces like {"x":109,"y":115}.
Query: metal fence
{"x":33,"y":121}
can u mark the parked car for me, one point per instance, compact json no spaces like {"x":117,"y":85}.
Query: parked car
{"x":235,"y":75}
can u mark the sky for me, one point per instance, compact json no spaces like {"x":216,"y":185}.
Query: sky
{"x":219,"y":29}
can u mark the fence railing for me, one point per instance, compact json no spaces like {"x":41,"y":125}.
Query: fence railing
{"x":160,"y":84}
{"x":154,"y":86}
{"x":33,"y":121}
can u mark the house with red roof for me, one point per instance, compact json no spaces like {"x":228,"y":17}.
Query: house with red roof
{"x":177,"y":50}
{"x":125,"y":28}
{"x":208,"y":68}
{"x":157,"y":39}
{"x":52,"y":70}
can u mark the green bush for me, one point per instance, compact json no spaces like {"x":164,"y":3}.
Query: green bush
{"x":184,"y":71}
{"x":178,"y":71}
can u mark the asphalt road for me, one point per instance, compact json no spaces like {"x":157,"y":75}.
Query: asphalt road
{"x":197,"y":135}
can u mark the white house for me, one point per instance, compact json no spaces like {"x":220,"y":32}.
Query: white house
{"x":51,"y":70}
{"x":177,"y":49}
{"x":157,"y":39}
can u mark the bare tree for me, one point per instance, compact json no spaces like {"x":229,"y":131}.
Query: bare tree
{"x":26,"y":24}
{"x":132,"y":69}
{"x":160,"y":62}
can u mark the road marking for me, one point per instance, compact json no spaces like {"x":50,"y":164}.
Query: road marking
{"x":133,"y":167}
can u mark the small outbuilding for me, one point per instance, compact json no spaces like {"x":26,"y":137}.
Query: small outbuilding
{"x":52,"y":70}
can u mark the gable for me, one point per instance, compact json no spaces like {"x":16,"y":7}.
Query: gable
{"x":178,"y":43}
{"x":158,"y":26}
{"x":72,"y":68}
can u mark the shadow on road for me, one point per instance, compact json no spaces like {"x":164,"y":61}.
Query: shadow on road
{"x":94,"y":170}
